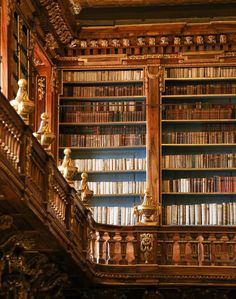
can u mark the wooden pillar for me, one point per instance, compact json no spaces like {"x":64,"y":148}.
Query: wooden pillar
{"x":4,"y":47}
{"x":153,"y":131}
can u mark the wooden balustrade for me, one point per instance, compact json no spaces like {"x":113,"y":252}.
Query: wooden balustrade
{"x":48,"y":189}
{"x":52,"y":200}
{"x":134,"y":245}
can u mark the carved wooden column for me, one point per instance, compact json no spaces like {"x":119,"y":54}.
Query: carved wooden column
{"x":153,"y":131}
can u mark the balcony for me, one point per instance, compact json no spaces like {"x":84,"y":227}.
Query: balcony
{"x":50,"y":244}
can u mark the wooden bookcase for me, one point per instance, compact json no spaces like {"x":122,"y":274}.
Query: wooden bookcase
{"x":198,"y":143}
{"x":103,"y":120}
{"x":20,"y":49}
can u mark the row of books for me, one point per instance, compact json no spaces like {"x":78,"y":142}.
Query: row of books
{"x":102,"y":75}
{"x":176,"y":113}
{"x":114,"y":140}
{"x":114,"y":215}
{"x":103,"y":91}
{"x":106,"y":130}
{"x":199,"y":137}
{"x":200,"y":72}
{"x":200,"y":185}
{"x":223,"y":160}
{"x":103,"y":106}
{"x":112,"y":116}
{"x":223,"y":88}
{"x":115,"y":188}
{"x":200,"y":214}
{"x":110,"y":164}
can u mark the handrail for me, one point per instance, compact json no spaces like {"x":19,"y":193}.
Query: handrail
{"x":58,"y":206}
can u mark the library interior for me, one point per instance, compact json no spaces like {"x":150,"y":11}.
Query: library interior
{"x":117,"y":149}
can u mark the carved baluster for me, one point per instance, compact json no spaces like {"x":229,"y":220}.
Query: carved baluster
{"x":123,"y":248}
{"x":212,"y":239}
{"x":188,"y":249}
{"x":106,"y":247}
{"x":136,"y":248}
{"x":176,"y":249}
{"x":95,"y":246}
{"x":117,"y":251}
{"x":101,"y":243}
{"x":224,"y":250}
{"x":130,"y":257}
{"x":200,"y":240}
{"x":111,"y":242}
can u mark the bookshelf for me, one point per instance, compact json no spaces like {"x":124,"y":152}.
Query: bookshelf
{"x":102,"y":115}
{"x":20,"y":52}
{"x":198,"y":143}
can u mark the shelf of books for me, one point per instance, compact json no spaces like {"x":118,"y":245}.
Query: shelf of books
{"x":103,"y":121}
{"x":198,"y":128}
{"x":20,"y":60}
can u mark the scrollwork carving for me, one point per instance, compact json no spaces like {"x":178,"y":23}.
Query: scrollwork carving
{"x":146,"y":245}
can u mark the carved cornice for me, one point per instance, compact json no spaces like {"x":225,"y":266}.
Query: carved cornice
{"x":55,"y":16}
{"x":152,"y":41}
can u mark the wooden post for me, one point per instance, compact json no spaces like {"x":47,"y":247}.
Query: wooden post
{"x":153,"y":131}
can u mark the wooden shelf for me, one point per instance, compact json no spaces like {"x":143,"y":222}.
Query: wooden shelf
{"x":94,"y":83}
{"x":105,"y":98}
{"x":196,"y":96}
{"x":198,"y":169}
{"x":201,"y":79}
{"x":199,"y":145}
{"x":111,"y":123}
{"x":198,"y":120}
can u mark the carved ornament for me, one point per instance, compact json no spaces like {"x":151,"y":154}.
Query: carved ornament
{"x":10,"y":8}
{"x":51,"y":42}
{"x":146,"y":245}
{"x":55,"y":16}
{"x":41,"y":88}
{"x":158,"y":40}
{"x":76,"y":6}
{"x":5,"y":222}
{"x":25,"y":272}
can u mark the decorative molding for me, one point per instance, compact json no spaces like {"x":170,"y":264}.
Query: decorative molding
{"x":55,"y":16}
{"x":152,"y":41}
{"x":51,"y":42}
{"x":10,"y":8}
{"x":146,"y":245}
{"x":41,"y":88}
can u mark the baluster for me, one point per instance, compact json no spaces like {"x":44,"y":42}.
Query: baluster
{"x":212,"y":239}
{"x":106,"y":247}
{"x":200,"y":248}
{"x":101,"y":252}
{"x":111,"y":242}
{"x":135,"y":246}
{"x":130,"y":257}
{"x":176,"y":250}
{"x":117,"y":251}
{"x":123,"y":248}
{"x":224,"y":250}
{"x":96,"y":247}
{"x":188,"y":249}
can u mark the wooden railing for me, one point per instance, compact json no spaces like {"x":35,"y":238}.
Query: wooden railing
{"x":196,"y":246}
{"x":108,"y":252}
